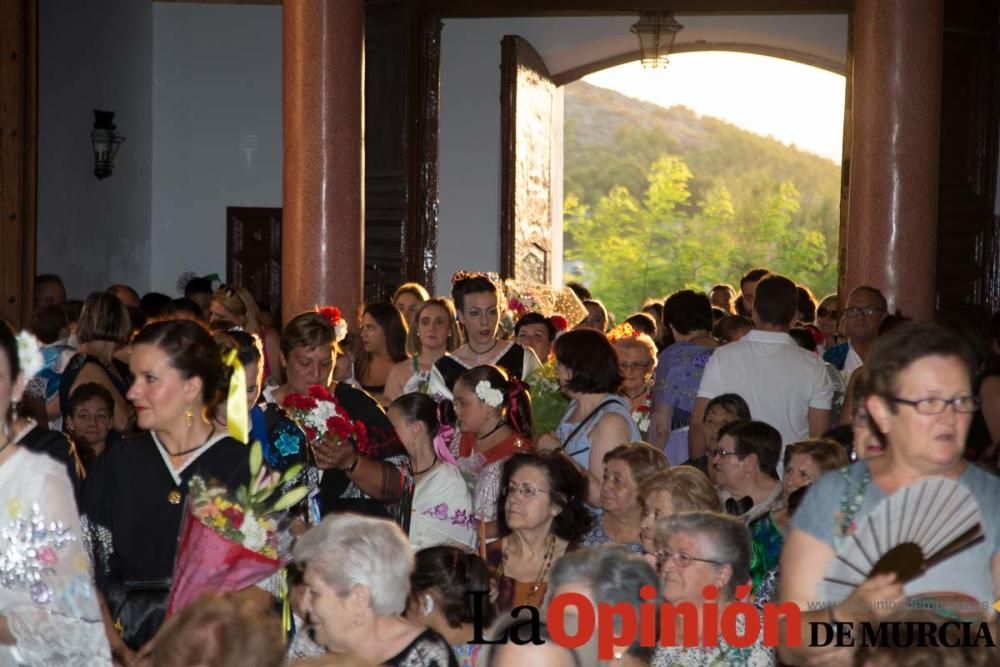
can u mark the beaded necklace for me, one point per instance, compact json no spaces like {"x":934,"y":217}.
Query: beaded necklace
{"x":850,"y":505}
{"x":542,"y":573}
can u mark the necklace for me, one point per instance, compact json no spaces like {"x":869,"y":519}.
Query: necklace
{"x":500,"y":424}
{"x":427,"y":469}
{"x":480,"y":354}
{"x":644,"y":390}
{"x":174,"y":496}
{"x":543,"y":572}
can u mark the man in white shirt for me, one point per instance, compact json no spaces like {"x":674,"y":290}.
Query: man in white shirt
{"x":784,"y":385}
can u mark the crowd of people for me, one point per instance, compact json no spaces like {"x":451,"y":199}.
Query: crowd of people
{"x":714,"y":448}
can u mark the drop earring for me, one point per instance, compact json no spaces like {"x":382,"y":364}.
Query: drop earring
{"x":188,"y":416}
{"x":427,"y":606}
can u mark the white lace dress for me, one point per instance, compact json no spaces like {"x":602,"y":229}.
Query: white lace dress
{"x":47,"y":594}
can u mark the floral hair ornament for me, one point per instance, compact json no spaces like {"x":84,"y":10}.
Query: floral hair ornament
{"x":559,"y":322}
{"x":624,"y":330}
{"x":440,"y":441}
{"x":29,"y":355}
{"x":237,"y":412}
{"x":332,"y":315}
{"x":488,"y":394}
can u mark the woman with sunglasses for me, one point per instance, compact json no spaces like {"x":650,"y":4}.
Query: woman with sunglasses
{"x":745,"y":463}
{"x":696,"y":550}
{"x":540,"y":516}
{"x":827,"y":319}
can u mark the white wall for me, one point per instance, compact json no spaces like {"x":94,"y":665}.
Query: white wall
{"x":216,"y":95}
{"x":469,"y":176}
{"x":94,"y":54}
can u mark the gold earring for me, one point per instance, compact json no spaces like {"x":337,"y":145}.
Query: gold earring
{"x":188,"y":416}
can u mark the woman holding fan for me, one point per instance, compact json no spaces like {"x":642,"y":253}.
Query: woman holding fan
{"x":920,"y":403}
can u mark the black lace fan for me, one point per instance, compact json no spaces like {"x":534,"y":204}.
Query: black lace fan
{"x":914,"y":529}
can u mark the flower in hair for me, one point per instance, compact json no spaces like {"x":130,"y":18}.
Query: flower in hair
{"x":29,"y":355}
{"x":332,"y":315}
{"x":625,"y":330}
{"x":559,"y":322}
{"x":488,"y":394}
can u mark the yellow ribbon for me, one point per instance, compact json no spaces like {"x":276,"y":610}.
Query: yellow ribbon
{"x":237,"y":412}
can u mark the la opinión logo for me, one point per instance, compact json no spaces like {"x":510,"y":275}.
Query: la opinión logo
{"x":739,"y":624}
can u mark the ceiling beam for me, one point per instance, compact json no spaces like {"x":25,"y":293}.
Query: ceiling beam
{"x":507,"y":8}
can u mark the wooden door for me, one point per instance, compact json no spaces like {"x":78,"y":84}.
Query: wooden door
{"x":530,"y":163}
{"x":253,"y":253}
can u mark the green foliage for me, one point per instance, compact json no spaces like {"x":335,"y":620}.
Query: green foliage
{"x":660,"y":200}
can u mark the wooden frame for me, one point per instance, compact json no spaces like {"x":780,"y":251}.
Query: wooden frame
{"x":510,"y":8}
{"x":18,"y":156}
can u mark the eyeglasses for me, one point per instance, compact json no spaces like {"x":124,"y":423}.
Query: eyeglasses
{"x":935,"y":406}
{"x":634,"y":365}
{"x":823,"y":312}
{"x":525,"y":490}
{"x":718,"y":451}
{"x":681,"y":558}
{"x":867,"y":311}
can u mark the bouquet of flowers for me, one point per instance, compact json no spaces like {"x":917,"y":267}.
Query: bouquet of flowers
{"x":548,"y":403}
{"x":232,"y":540}
{"x":321,"y":416}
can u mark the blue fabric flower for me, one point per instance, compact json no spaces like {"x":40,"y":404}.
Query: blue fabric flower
{"x":288,"y":443}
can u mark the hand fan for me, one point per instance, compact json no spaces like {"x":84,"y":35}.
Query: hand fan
{"x":907,"y":533}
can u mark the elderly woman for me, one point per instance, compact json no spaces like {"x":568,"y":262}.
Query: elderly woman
{"x":626,"y":467}
{"x":804,"y":463}
{"x":719,"y":411}
{"x":376,"y":482}
{"x":688,"y":314}
{"x":448,"y":594}
{"x":745,"y":464}
{"x":434,"y":333}
{"x":541,"y":516}
{"x":357,"y":576}
{"x":680,"y":489}
{"x":637,"y":362}
{"x":697,"y":550}
{"x":598,"y":419}
{"x":612,"y":575}
{"x":920,"y":402}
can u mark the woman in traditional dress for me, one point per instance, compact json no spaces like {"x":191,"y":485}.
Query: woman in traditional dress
{"x":477,"y":300}
{"x":494,"y":417}
{"x":376,"y":481}
{"x":434,"y":333}
{"x":442,"y":504}
{"x":134,"y":497}
{"x":49,"y":610}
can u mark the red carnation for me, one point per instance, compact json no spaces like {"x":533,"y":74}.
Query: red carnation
{"x":320,"y":393}
{"x":299,"y":402}
{"x":559,"y":322}
{"x":235,"y":517}
{"x":331,"y":314}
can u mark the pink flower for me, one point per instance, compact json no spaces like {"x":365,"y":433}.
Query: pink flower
{"x":47,"y":555}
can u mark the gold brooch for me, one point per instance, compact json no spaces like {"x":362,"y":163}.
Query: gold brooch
{"x":174,"y":497}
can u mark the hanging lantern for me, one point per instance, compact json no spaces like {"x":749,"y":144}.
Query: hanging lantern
{"x":656,"y":32}
{"x":106,"y":142}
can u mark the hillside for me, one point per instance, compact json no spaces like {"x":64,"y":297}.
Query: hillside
{"x":613,"y":140}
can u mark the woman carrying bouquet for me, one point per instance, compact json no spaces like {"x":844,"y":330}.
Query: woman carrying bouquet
{"x":494,"y":417}
{"x":376,"y":481}
{"x":134,"y":496}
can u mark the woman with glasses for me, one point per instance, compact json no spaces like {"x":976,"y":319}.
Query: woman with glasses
{"x":827,"y":320}
{"x":745,"y":463}
{"x":697,"y":550}
{"x":626,"y":467}
{"x":637,"y":362}
{"x":919,"y":400}
{"x":678,"y":373}
{"x":540,"y":516}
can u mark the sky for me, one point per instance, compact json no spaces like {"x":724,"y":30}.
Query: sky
{"x":796,"y":104}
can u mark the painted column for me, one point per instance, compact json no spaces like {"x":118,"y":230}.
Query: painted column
{"x":322,"y":254}
{"x":892,"y":215}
